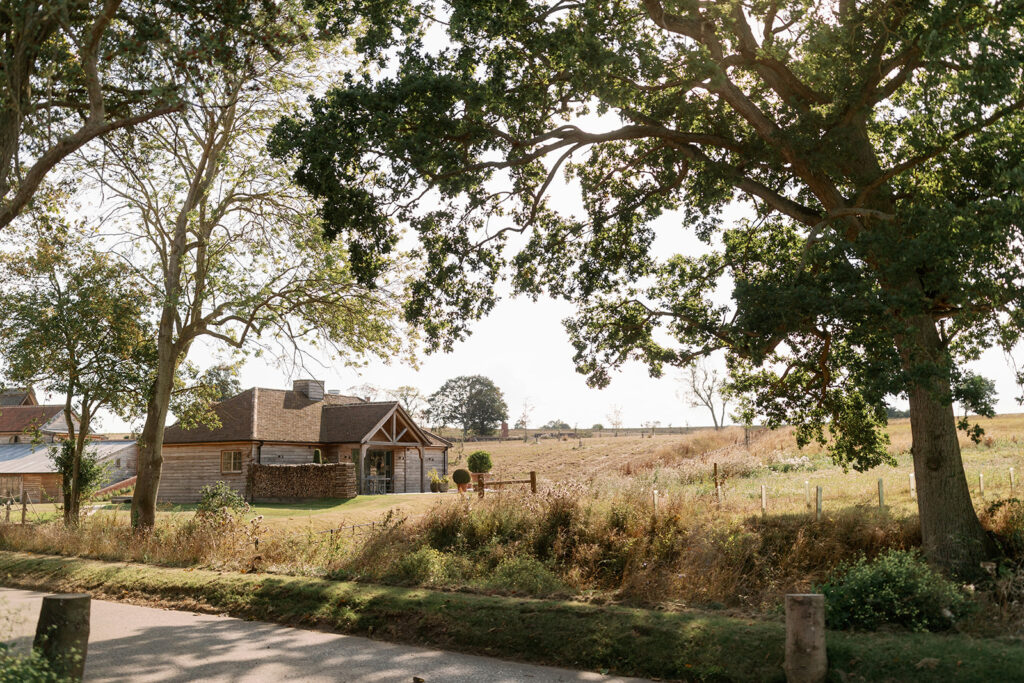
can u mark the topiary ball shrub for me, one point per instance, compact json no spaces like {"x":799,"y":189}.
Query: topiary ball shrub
{"x":461,"y":477}
{"x":896,"y":588}
{"x":479,"y":461}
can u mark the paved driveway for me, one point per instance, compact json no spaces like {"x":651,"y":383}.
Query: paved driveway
{"x":131,"y":643}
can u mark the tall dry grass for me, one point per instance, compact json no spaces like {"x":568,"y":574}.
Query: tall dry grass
{"x":570,"y":540}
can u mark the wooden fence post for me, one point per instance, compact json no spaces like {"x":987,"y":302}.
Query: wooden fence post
{"x":881,"y":493}
{"x":913,"y":487}
{"x":764,"y":500}
{"x":981,"y":484}
{"x":806,"y":658}
{"x":62,"y":633}
{"x":533,"y":482}
{"x":817,"y":514}
{"x":807,"y":493}
{"x":24,"y":507}
{"x":1011,"y":481}
{"x":654,"y":497}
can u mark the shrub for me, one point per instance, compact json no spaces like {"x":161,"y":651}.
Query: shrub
{"x":897,"y":587}
{"x":32,"y":668}
{"x":1005,"y":517}
{"x":424,"y":566}
{"x":524,"y":574}
{"x":219,"y":496}
{"x":479,"y":461}
{"x":461,"y":476}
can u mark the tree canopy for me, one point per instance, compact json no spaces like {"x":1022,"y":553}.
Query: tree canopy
{"x":877,"y":148}
{"x":74,"y":71}
{"x":72,"y":322}
{"x":231,"y":250}
{"x":473,"y":402}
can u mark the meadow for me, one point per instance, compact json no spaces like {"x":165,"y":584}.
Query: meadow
{"x":594,"y":532}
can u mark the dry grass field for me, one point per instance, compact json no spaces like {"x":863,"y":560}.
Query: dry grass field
{"x":683,"y":464}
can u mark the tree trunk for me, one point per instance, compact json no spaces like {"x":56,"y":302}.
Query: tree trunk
{"x":147,"y":483}
{"x":72,"y":516}
{"x":951,"y":534}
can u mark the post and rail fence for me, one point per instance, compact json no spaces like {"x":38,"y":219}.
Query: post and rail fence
{"x":482,"y":483}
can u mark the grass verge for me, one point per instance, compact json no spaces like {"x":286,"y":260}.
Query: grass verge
{"x":630,"y":641}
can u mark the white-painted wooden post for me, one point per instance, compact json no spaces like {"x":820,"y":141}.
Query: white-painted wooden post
{"x":806,"y":657}
{"x":881,"y":494}
{"x":807,"y":494}
{"x":913,"y":488}
{"x":764,"y":500}
{"x":654,"y":496}
{"x":981,"y":484}
{"x":1011,"y":481}
{"x":817,"y":514}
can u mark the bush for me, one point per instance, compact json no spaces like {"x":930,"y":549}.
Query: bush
{"x":524,"y":574}
{"x":479,"y":461}
{"x":32,"y":668}
{"x":897,"y":587}
{"x":219,"y":496}
{"x":421,"y":567}
{"x":1005,"y":517}
{"x":461,"y":476}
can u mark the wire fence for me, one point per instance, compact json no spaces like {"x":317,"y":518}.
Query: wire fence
{"x":22,"y":510}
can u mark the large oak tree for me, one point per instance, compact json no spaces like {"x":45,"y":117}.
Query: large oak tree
{"x":877,"y":146}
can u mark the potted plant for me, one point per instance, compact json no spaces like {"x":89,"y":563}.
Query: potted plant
{"x":461,"y":479}
{"x":436,"y":481}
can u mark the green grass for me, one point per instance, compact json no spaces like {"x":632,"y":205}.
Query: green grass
{"x":322,"y":514}
{"x":669,"y":645}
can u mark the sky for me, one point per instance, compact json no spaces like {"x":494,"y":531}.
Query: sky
{"x":522,"y":346}
{"x":524,"y":349}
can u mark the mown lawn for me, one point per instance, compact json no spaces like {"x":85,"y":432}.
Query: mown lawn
{"x":689,"y":645}
{"x":319,"y":514}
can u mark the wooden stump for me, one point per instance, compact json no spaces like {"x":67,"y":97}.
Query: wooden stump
{"x":62,"y":634}
{"x":806,"y":660}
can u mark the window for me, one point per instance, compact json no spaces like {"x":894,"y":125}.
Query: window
{"x":117,"y":463}
{"x":230,"y":461}
{"x":318,"y":456}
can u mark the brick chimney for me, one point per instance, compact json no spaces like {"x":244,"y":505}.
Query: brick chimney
{"x":313,"y":389}
{"x":504,"y":429}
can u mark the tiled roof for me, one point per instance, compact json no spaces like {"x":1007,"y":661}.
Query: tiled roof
{"x":18,"y":397}
{"x":350,"y":423}
{"x":436,"y":440}
{"x":22,"y":419}
{"x":291,"y":416}
{"x":280,"y":415}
